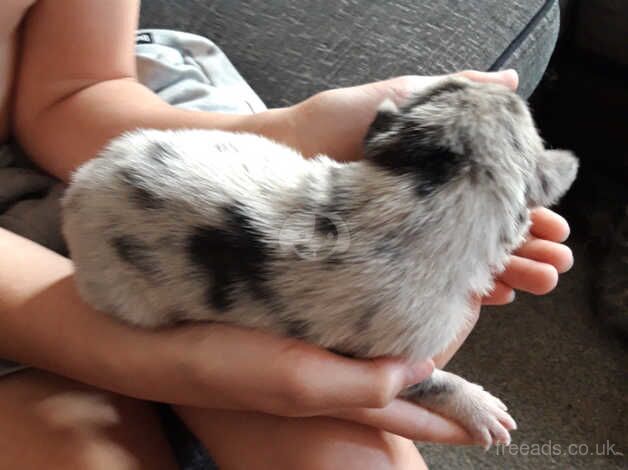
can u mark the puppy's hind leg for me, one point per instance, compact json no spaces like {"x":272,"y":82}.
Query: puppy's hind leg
{"x":480,"y":413}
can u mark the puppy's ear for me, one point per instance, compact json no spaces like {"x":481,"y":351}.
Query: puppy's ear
{"x":556,"y":171}
{"x":384,"y":119}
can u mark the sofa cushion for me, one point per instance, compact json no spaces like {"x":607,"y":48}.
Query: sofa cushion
{"x":290,"y":49}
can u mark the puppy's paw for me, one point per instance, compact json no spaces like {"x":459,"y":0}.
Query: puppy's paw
{"x":484,"y":416}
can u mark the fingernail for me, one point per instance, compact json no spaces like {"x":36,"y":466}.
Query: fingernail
{"x":511,"y":296}
{"x":514,"y":75}
{"x":418,"y":372}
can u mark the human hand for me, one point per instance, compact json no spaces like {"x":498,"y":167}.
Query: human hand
{"x":228,"y":367}
{"x":533,"y":268}
{"x":237,"y":368}
{"x":335,"y":122}
{"x":536,"y":264}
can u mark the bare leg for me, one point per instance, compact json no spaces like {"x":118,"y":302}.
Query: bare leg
{"x":51,"y":422}
{"x":245,"y":440}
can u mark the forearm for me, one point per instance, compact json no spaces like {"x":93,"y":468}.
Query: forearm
{"x":44,"y":322}
{"x":61,"y":136}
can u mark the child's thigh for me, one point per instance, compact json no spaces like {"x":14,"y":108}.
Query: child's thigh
{"x":50,"y":422}
{"x":244,"y":440}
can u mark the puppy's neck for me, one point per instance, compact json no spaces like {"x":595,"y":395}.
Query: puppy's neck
{"x":464,"y":228}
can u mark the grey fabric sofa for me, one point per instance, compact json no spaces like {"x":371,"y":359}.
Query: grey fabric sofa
{"x":290,"y":49}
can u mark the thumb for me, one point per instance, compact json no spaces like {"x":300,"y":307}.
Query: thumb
{"x":508,"y":78}
{"x":373,"y":383}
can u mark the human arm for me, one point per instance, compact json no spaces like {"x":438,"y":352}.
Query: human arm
{"x":44,"y":322}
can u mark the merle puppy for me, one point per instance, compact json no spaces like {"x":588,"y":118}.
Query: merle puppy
{"x":370,"y":258}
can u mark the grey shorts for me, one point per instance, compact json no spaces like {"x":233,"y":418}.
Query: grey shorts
{"x":184,"y":69}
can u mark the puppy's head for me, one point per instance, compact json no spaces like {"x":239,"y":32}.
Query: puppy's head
{"x":456,"y":129}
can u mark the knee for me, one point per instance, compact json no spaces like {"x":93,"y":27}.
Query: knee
{"x":55,"y":423}
{"x":84,"y":429}
{"x":238,"y":439}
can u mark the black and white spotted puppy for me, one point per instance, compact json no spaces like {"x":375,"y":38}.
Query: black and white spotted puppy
{"x":370,"y":258}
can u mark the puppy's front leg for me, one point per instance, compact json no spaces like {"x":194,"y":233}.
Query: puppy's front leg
{"x":480,"y":413}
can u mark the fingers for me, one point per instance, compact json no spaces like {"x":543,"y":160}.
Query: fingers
{"x":509,"y":78}
{"x":399,"y":88}
{"x":548,"y":225}
{"x":536,"y":264}
{"x":502,"y":294}
{"x":530,"y":276}
{"x":545,"y":251}
{"x":410,"y":421}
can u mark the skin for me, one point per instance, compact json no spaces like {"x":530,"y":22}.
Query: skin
{"x":246,"y":394}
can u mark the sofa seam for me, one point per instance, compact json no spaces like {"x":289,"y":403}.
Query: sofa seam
{"x":522,"y":36}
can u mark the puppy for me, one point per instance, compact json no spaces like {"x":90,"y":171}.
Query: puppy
{"x":370,"y":258}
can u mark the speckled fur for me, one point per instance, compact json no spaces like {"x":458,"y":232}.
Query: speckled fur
{"x":369,"y":258}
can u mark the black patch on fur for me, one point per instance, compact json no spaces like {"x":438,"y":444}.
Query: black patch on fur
{"x":231,"y":256}
{"x":521,"y":217}
{"x":364,"y":322}
{"x":388,"y":246}
{"x":341,"y":352}
{"x":449,"y":86}
{"x":176,"y":315}
{"x":146,"y":199}
{"x":299,"y":329}
{"x":504,"y":238}
{"x":340,"y":201}
{"x":139,"y":193}
{"x":334,"y":260}
{"x":416,"y":152}
{"x":130,"y":177}
{"x":427,"y":390}
{"x":335,"y":209}
{"x":325,"y":226}
{"x":489,"y":174}
{"x":383,"y":122}
{"x":136,"y":253}
{"x":169,"y":241}
{"x":515,"y":142}
{"x":161,"y":152}
{"x":328,"y":232}
{"x":226,"y":147}
{"x":513,"y":136}
{"x":349,"y":352}
{"x":513,"y":105}
{"x":545,"y":187}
